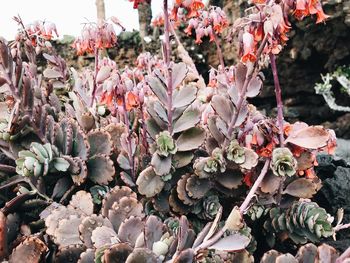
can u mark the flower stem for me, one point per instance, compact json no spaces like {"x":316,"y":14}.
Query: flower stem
{"x":167,"y":54}
{"x":243,"y":207}
{"x":95,"y":76}
{"x":243,"y":92}
{"x":279,"y":101}
{"x":127,"y":123}
{"x":219,"y":53}
{"x":255,"y":186}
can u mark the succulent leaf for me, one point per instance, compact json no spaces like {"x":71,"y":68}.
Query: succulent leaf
{"x":149,"y":183}
{"x":283,"y":163}
{"x":100,"y":169}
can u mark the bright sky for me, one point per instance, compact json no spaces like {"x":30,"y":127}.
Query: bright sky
{"x":66,"y":14}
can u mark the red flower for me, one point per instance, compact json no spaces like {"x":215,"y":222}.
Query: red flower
{"x":95,"y":37}
{"x":248,"y":47}
{"x":136,"y":3}
{"x":304,"y":8}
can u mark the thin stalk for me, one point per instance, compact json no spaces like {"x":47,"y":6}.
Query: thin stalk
{"x":19,"y":179}
{"x":341,"y":226}
{"x":255,"y":186}
{"x":180,"y":45}
{"x":144,"y":129}
{"x":242,"y":94}
{"x":167,"y":54}
{"x":279,"y":101}
{"x":7,"y":168}
{"x":95,"y":76}
{"x":242,"y":208}
{"x":219,"y":52}
{"x":127,"y":123}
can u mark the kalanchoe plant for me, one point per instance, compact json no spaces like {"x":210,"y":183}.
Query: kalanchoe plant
{"x":177,"y":169}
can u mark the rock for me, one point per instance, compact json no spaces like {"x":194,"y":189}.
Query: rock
{"x":343,"y":150}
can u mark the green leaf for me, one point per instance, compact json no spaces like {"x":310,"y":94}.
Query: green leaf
{"x":188,"y":120}
{"x":190,"y":139}
{"x":61,"y":164}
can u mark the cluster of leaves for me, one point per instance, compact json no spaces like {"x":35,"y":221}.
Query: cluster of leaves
{"x":151,"y":158}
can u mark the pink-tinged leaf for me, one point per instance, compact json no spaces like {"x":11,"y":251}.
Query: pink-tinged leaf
{"x":254,"y":87}
{"x":302,"y":188}
{"x":234,"y":242}
{"x":223,"y":107}
{"x":243,"y":113}
{"x":329,"y":254}
{"x":241,"y":72}
{"x":312,"y":137}
{"x":103,"y":74}
{"x":276,"y":16}
{"x":179,"y":73}
{"x":251,"y":159}
{"x":183,"y":233}
{"x":52,"y":74}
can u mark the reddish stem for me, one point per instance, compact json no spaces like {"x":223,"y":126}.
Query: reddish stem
{"x":144,"y":129}
{"x":127,"y":123}
{"x":242,"y":94}
{"x":242,"y":208}
{"x":219,"y":52}
{"x":279,"y":101}
{"x":167,"y":62}
{"x":255,"y":186}
{"x":95,"y":76}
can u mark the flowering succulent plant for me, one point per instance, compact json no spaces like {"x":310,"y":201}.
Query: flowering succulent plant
{"x":150,"y":163}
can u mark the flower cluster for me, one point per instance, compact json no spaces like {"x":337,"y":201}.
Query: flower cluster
{"x":158,"y":21}
{"x":38,"y":32}
{"x":207,"y":23}
{"x":305,"y":8}
{"x":270,"y":21}
{"x":183,"y":9}
{"x":95,"y":37}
